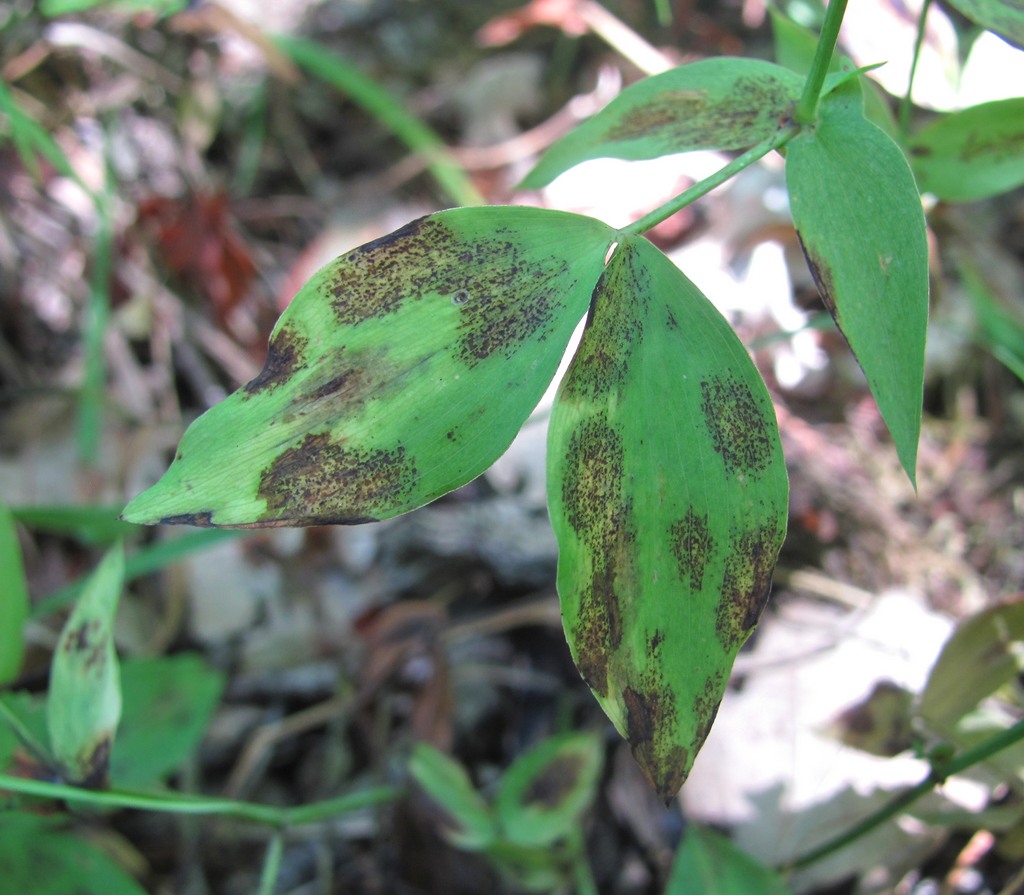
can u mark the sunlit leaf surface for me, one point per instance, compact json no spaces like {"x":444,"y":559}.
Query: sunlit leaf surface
{"x":400,"y":371}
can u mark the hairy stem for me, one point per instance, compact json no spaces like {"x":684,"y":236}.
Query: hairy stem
{"x":807,"y":108}
{"x":705,"y":186}
{"x":938,"y":774}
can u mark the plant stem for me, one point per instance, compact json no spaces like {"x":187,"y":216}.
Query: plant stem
{"x":272,"y":864}
{"x":705,"y":186}
{"x":938,"y":774}
{"x":918,"y":43}
{"x":807,"y":108}
{"x":182,"y":803}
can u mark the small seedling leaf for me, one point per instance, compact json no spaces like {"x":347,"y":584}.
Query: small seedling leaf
{"x":84,"y":702}
{"x":721,"y":103}
{"x":546,"y":791}
{"x":984,"y":652}
{"x":13,"y":599}
{"x":469,"y":821}
{"x":1004,"y":17}
{"x":668,"y":495}
{"x":167,"y":705}
{"x":400,"y":371}
{"x":973,"y":154}
{"x":858,"y":214}
{"x":38,"y":856}
{"x":709,"y":864}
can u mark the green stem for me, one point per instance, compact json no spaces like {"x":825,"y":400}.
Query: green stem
{"x":582,"y":874}
{"x":936,"y":777}
{"x":918,"y":43}
{"x":807,"y":108}
{"x":705,"y":186}
{"x":272,"y":864}
{"x":182,"y":803}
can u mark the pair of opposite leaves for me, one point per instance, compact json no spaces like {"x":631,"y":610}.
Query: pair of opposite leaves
{"x":406,"y":367}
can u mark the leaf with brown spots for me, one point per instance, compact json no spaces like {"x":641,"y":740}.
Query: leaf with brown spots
{"x":400,"y":371}
{"x":667,"y":492}
{"x":720,"y":103}
{"x":858,"y":214}
{"x":83,"y":706}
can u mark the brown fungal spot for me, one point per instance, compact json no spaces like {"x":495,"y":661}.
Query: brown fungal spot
{"x":614,"y":328}
{"x":670,"y":319}
{"x":550,"y":787}
{"x":202,"y":519}
{"x":284,"y":357}
{"x":747,"y":584}
{"x":81,"y":638}
{"x":650,"y":725}
{"x":97,"y":766}
{"x":705,"y":707}
{"x":655,"y":642}
{"x":692,"y":545}
{"x":504,"y":297}
{"x":736,"y":422}
{"x":592,"y":485}
{"x":321,"y":481}
{"x":750,"y":112}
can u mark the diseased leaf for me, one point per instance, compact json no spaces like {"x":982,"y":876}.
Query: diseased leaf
{"x":546,"y":791}
{"x":84,"y":703}
{"x":13,"y":599}
{"x":668,"y":495}
{"x":858,"y":214}
{"x":400,"y":371}
{"x":973,"y":154}
{"x":720,"y":103}
{"x":709,"y":864}
{"x":1004,"y":17}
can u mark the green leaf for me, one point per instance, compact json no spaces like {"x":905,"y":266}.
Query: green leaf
{"x":546,"y":791}
{"x":1004,"y":17}
{"x":471,"y":824}
{"x":91,"y":524}
{"x":13,"y":599}
{"x":709,"y":864}
{"x":720,"y":103}
{"x":985,"y":652}
{"x":167,"y":705}
{"x":400,"y":371}
{"x":858,"y":214}
{"x":23,"y":726}
{"x":972,"y":154}
{"x":84,"y":702}
{"x":668,"y":496}
{"x":38,"y":857}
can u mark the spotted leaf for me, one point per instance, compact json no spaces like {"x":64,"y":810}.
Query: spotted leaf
{"x":667,"y":491}
{"x":400,"y":371}
{"x":720,"y":103}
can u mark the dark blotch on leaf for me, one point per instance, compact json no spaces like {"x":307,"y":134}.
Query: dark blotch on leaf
{"x":284,"y":357}
{"x":202,"y":519}
{"x":614,"y":328}
{"x":705,"y":708}
{"x":684,"y":117}
{"x":319,"y":482}
{"x":736,"y":423}
{"x":602,"y":519}
{"x":504,"y":299}
{"x":96,"y":766}
{"x":551,"y":786}
{"x":650,"y":723}
{"x":822,"y":279}
{"x":692,"y":545}
{"x":747,"y":584}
